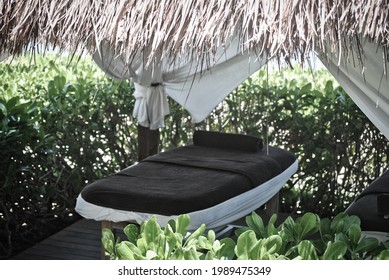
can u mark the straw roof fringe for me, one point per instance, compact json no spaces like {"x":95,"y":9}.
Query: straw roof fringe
{"x":174,"y":28}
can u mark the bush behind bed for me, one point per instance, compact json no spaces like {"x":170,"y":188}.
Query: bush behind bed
{"x":64,"y":124}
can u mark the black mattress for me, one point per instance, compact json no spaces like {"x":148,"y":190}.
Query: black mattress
{"x":372,"y":204}
{"x":187,"y":179}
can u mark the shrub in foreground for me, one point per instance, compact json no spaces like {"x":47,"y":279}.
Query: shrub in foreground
{"x":306,"y":238}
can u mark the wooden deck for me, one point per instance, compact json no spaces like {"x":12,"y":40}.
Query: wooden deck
{"x":79,"y":241}
{"x":82,"y":241}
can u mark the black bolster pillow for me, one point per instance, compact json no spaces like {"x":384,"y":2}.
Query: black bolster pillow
{"x":221,"y":140}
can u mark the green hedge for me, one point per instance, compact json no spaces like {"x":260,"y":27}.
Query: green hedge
{"x":64,"y":124}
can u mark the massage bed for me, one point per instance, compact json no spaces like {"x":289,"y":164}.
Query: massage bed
{"x":372,"y":207}
{"x":216,"y":180}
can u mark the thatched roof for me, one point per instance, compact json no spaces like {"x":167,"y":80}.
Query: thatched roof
{"x":279,"y":28}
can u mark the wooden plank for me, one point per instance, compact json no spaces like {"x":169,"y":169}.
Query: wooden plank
{"x":80,"y":241}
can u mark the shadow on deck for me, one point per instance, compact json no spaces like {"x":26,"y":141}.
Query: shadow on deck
{"x":79,"y":241}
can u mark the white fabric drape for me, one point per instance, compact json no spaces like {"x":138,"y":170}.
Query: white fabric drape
{"x":151,"y":105}
{"x":199,"y":88}
{"x":4,"y":56}
{"x":361,"y":73}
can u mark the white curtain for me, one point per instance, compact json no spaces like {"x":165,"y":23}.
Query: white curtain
{"x":362,"y":74}
{"x":199,"y":88}
{"x":4,"y":56}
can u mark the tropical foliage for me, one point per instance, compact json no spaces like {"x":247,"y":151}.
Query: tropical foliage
{"x":306,"y":238}
{"x":64,"y":123}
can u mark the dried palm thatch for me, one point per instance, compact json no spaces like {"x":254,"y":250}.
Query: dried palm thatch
{"x":182,"y":28}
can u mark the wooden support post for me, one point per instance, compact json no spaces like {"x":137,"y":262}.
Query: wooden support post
{"x":108,"y":225}
{"x":148,"y":142}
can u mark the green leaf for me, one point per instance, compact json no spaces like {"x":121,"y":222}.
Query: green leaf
{"x":271,"y":229}
{"x":246,"y":242}
{"x":329,"y":87}
{"x":367,"y":244}
{"x":151,"y":231}
{"x":273,"y":244}
{"x":132,"y":232}
{"x":255,"y":222}
{"x":227,"y":249}
{"x":204,"y":243}
{"x":384,"y":255}
{"x":257,"y":252}
{"x":171,"y":238}
{"x":306,"y":88}
{"x":182,"y":224}
{"x":325,"y":230}
{"x":309,"y":225}
{"x":335,"y":251}
{"x":354,"y":233}
{"x":307,"y":251}
{"x":191,"y":254}
{"x":195,"y":234}
{"x":3,"y":109}
{"x":124,"y":252}
{"x":108,"y":240}
{"x":142,"y":246}
{"x":209,"y":256}
{"x":59,"y":82}
{"x":338,"y":223}
{"x":211,"y":236}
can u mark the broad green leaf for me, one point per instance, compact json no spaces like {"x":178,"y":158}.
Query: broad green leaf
{"x":11,"y":104}
{"x":354,"y":233}
{"x":329,"y":87}
{"x":352,"y":220}
{"x":337,"y":223}
{"x":108,"y":240}
{"x":141,"y":243}
{"x":309,"y":225}
{"x":245,"y":243}
{"x":3,"y":109}
{"x":191,"y":254}
{"x":306,"y":88}
{"x":124,"y":252}
{"x":273,"y":244}
{"x":196,"y":234}
{"x":59,"y":82}
{"x":255,"y":222}
{"x":209,"y":256}
{"x":216,"y":246}
{"x":211,"y":236}
{"x":241,"y":230}
{"x":132,"y":232}
{"x":182,"y":224}
{"x":162,"y":249}
{"x":307,"y":251}
{"x":227,"y":249}
{"x":204,"y":243}
{"x":151,"y":231}
{"x":325,"y":230}
{"x":171,"y":238}
{"x":135,"y":250}
{"x":367,"y":244}
{"x":384,"y":255}
{"x":335,"y":251}
{"x":257,"y":252}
